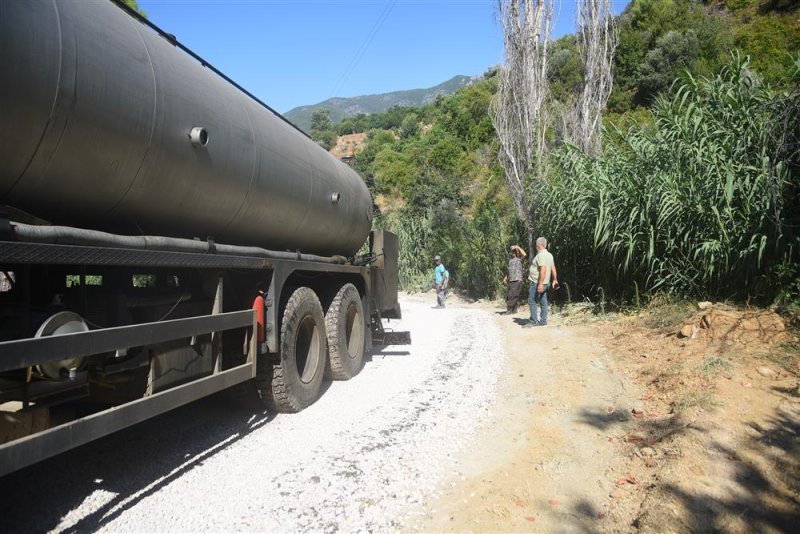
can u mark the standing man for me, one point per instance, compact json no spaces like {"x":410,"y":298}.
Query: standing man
{"x":541,"y":271}
{"x":441,"y":278}
{"x":514,"y":278}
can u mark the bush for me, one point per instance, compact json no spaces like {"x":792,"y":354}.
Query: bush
{"x":694,"y":205}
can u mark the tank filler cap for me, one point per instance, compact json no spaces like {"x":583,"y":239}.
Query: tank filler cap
{"x":335,"y":197}
{"x":198,"y":136}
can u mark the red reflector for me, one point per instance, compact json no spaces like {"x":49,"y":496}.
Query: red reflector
{"x":258,"y":306}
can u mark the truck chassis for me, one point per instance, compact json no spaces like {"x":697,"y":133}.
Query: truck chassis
{"x":135,"y":369}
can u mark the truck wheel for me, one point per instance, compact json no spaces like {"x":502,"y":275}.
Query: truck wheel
{"x":344,"y":323}
{"x":294,"y":382}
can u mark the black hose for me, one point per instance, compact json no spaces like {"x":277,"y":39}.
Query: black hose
{"x":67,"y":235}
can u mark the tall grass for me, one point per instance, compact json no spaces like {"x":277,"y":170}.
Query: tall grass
{"x":702,"y":202}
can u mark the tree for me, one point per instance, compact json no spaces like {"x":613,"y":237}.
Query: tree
{"x":519,"y":109}
{"x":409,"y":127}
{"x":674,"y":51}
{"x":597,"y":40}
{"x":321,"y":120}
{"x":133,"y":4}
{"x":326,"y":139}
{"x":322,"y":129}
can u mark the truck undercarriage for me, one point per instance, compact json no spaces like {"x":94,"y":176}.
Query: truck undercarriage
{"x":94,"y":338}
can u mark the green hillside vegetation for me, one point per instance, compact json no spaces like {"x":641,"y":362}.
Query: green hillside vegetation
{"x":133,"y":4}
{"x":695,"y":192}
{"x":340,"y":108}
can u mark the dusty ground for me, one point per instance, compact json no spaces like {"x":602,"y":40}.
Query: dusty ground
{"x":673,"y":420}
{"x":347,"y":145}
{"x":623,"y":426}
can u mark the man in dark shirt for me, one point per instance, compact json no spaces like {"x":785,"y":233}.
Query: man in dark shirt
{"x":514,"y":278}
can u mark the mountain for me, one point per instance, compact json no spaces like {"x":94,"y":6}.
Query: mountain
{"x":343,"y":107}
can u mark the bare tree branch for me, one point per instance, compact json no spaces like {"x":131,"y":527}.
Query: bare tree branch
{"x":597,"y":41}
{"x":519,"y":110}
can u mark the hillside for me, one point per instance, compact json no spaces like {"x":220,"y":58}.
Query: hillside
{"x":701,"y":227}
{"x":346,"y":107}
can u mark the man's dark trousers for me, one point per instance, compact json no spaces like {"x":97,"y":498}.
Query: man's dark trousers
{"x":512,"y":297}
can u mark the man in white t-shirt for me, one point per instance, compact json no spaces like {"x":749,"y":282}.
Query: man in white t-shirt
{"x":541,"y":275}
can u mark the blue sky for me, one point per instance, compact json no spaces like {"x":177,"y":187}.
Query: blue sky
{"x":295,"y":52}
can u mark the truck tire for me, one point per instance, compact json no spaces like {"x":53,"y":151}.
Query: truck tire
{"x":294,"y":382}
{"x":344,"y":323}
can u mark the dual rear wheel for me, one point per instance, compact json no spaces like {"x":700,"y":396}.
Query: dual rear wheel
{"x":314,"y":343}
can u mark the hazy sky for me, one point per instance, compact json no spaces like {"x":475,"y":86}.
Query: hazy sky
{"x":296,"y":52}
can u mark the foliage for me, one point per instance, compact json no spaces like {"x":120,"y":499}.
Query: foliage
{"x":695,"y":192}
{"x":322,"y":129}
{"x":321,"y":120}
{"x":409,"y":127}
{"x":566,"y":73}
{"x":642,"y":48}
{"x":133,"y":4}
{"x":674,"y":52}
{"x":692,"y":205}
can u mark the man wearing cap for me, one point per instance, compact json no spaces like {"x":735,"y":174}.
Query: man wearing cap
{"x":440,"y":280}
{"x":514,"y":278}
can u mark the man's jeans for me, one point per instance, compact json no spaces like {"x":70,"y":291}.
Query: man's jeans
{"x":534,"y":299}
{"x":441,"y":296}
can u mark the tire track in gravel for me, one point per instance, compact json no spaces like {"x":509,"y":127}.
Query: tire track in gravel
{"x":379,"y":469}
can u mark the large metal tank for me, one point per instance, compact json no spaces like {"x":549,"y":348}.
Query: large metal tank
{"x":96,"y":112}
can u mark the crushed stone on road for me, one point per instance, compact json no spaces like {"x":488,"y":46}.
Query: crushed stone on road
{"x":363,"y":457}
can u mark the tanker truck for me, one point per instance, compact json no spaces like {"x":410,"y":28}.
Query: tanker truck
{"x":164,"y":235}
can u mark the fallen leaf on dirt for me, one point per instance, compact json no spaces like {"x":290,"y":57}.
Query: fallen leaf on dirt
{"x":631,"y":479}
{"x":520,"y":503}
{"x":633,"y":438}
{"x":553,"y":502}
{"x":530,"y":518}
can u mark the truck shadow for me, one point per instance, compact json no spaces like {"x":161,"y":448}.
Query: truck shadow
{"x":132,"y":464}
{"x":128,"y":466}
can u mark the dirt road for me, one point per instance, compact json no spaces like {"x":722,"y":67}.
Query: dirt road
{"x":363,"y":457}
{"x":544,"y":459}
{"x":669,"y":420}
{"x":479,"y":425}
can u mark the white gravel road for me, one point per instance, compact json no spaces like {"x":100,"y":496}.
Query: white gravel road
{"x":362,"y":458}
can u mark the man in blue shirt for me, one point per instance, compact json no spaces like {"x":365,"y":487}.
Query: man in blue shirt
{"x":440,"y":280}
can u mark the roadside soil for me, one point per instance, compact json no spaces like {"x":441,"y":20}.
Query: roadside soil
{"x":625,"y":425}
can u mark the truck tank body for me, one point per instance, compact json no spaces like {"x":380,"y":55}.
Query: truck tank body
{"x":96,"y":111}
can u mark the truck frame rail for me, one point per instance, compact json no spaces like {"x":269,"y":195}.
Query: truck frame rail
{"x":36,"y":447}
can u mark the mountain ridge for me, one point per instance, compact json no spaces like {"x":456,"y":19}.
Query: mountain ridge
{"x":341,"y":107}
